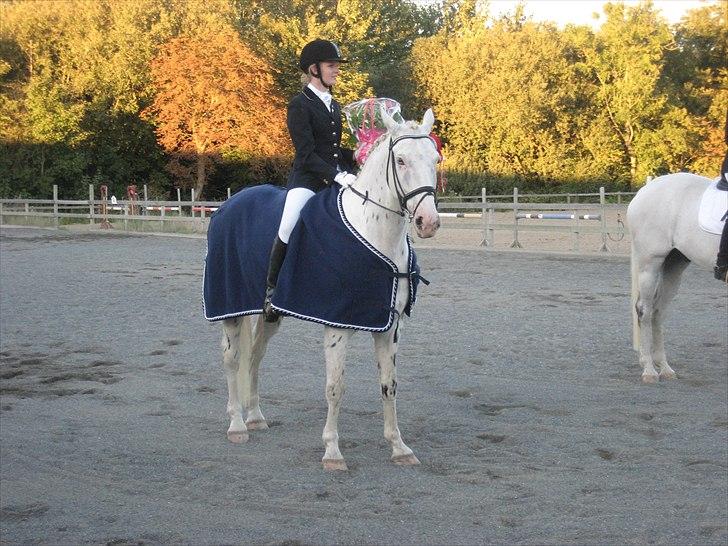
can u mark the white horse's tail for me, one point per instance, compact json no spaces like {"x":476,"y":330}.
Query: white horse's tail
{"x":244,"y":359}
{"x":635,"y":295}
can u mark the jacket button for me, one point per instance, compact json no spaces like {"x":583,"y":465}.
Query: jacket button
{"x":332,"y":123}
{"x":334,"y":133}
{"x":336,"y":155}
{"x":336,"y":144}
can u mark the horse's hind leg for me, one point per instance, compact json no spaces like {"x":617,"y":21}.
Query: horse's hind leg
{"x":672,"y":269}
{"x":386,"y":352}
{"x":335,"y":345}
{"x":648,"y":279}
{"x":235,"y":332}
{"x":249,"y":383}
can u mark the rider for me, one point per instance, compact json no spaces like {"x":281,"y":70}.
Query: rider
{"x":314,"y":124}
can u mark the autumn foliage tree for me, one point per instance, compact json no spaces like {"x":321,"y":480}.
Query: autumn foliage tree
{"x":213,"y":95}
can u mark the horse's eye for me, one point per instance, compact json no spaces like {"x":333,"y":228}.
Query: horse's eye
{"x":400,"y":161}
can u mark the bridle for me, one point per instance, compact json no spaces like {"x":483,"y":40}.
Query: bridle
{"x":402,"y":197}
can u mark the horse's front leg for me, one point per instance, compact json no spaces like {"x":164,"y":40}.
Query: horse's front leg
{"x":335,"y":344}
{"x":249,"y":384}
{"x":232,"y":330}
{"x":386,"y":352}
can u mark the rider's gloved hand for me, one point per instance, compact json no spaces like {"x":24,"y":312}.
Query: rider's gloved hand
{"x":345,"y":179}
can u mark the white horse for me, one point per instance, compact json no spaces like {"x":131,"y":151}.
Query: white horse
{"x":398,"y":185}
{"x":666,"y":237}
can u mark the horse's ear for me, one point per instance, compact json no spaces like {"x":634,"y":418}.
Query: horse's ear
{"x":428,"y":120}
{"x":389,"y":122}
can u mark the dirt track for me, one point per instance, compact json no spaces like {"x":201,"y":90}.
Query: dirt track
{"x":518,"y":391}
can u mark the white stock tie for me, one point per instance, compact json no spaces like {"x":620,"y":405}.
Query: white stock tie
{"x":326,"y":97}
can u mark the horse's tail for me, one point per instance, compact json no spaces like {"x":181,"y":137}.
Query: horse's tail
{"x":244,"y":359}
{"x":635,"y":296}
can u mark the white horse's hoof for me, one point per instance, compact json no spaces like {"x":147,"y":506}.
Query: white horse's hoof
{"x":334,"y":464}
{"x":406,"y":460}
{"x":237,"y":436}
{"x":256,"y":425}
{"x":651,"y":378}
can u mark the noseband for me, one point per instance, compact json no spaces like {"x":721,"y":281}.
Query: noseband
{"x":402,"y":197}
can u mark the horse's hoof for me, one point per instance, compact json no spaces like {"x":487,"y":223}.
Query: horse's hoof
{"x":668,"y":375}
{"x":406,"y":460}
{"x":237,"y":436}
{"x":652,"y":378}
{"x":256,"y":425}
{"x":334,"y":464}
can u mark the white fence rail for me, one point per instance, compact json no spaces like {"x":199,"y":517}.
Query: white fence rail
{"x":572,"y":216}
{"x":576,"y":216}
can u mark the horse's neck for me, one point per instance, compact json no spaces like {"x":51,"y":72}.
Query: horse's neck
{"x":384,"y":229}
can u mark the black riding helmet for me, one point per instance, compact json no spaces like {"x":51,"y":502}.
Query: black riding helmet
{"x":319,"y":51}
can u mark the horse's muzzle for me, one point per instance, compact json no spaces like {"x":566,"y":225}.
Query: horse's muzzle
{"x":427,"y":222}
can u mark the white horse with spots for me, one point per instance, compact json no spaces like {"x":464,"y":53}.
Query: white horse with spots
{"x":396,"y":186}
{"x":666,"y":237}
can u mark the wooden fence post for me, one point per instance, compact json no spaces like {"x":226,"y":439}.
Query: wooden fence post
{"x":515,"y":243}
{"x":179,"y":202}
{"x":484,"y":217}
{"x":603,"y":202}
{"x":55,"y":206}
{"x":91,"y":204}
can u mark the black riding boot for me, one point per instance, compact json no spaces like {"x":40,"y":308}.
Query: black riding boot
{"x":277,"y":254}
{"x":721,"y":264}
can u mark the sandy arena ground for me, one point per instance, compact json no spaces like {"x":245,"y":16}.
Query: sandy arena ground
{"x":518,"y":390}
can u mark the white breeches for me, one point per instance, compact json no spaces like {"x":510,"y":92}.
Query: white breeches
{"x":296,"y":198}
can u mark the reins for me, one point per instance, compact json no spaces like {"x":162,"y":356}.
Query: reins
{"x":402,"y":197}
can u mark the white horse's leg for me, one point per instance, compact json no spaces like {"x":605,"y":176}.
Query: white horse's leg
{"x":233,"y":352}
{"x":335,"y":345}
{"x":249,"y":373}
{"x":672,"y":270}
{"x":386,"y":352}
{"x":649,"y":279}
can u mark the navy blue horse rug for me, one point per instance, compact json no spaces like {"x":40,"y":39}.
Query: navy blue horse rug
{"x":331,"y":274}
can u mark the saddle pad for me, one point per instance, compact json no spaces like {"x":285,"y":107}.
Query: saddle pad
{"x":330,"y":275}
{"x":713,"y":208}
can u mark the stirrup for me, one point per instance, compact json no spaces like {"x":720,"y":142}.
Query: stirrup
{"x":269,"y":313}
{"x":721,"y":272}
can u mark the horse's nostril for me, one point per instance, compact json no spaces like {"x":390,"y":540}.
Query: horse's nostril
{"x":418,"y":221}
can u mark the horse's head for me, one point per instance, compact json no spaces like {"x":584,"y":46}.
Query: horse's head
{"x":412,"y":170}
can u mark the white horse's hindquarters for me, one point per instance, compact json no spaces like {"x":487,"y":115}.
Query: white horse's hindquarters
{"x":664,"y":215}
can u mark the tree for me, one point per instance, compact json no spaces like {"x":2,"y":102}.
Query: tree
{"x":696,"y":73}
{"x":626,"y":59}
{"x":504,"y":93}
{"x":213,"y":94}
{"x":376,"y":35}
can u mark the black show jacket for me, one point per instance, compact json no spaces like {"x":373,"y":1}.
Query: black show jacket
{"x":316,"y":136}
